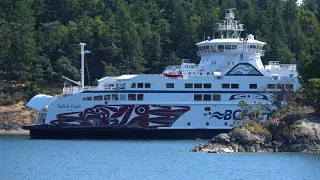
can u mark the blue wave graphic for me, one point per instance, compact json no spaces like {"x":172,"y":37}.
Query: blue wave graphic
{"x":218,"y":115}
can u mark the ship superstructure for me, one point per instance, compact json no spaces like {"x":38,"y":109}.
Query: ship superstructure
{"x":187,"y":101}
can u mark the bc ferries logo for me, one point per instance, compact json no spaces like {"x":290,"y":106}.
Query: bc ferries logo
{"x":244,"y":69}
{"x":235,"y":115}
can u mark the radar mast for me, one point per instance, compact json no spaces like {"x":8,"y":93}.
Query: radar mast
{"x":230,"y":27}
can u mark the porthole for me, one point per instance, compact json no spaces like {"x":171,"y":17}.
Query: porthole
{"x":207,"y":123}
{"x":188,"y":123}
{"x":226,"y":124}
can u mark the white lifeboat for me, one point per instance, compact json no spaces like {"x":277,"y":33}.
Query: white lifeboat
{"x":173,"y":73}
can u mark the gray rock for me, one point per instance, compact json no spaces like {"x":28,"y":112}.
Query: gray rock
{"x":298,"y":136}
{"x":241,"y":149}
{"x":244,"y":136}
{"x":222,"y":138}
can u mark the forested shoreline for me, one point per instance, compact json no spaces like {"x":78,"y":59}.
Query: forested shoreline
{"x":39,"y":39}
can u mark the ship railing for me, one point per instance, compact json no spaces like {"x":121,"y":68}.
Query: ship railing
{"x":282,"y":66}
{"x":274,"y":63}
{"x":71,"y":90}
{"x":173,"y":67}
{"x":288,"y":66}
{"x":255,"y":51}
{"x":259,"y":51}
{"x":185,"y":60}
{"x":90,"y":88}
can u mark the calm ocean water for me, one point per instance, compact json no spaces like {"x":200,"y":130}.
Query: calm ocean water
{"x":23,"y":158}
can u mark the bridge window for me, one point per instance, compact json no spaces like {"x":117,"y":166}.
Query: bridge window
{"x":107,"y":97}
{"x":207,"y":97}
{"x":252,"y":46}
{"x":133,"y":85}
{"x":280,"y":86}
{"x":140,"y":97}
{"x":87,"y":98}
{"x":132,"y":97}
{"x":170,"y":85}
{"x":188,"y":85}
{"x":216,"y":97}
{"x":115,"y":97}
{"x":147,"y":85}
{"x":234,"y":86}
{"x":198,"y":97}
{"x":220,"y":48}
{"x":253,"y":86}
{"x":225,"y":86}
{"x":271,"y":86}
{"x":213,"y":48}
{"x":197,"y":85}
{"x":97,"y":98}
{"x":123,"y":97}
{"x":207,"y":86}
{"x":289,"y":86}
{"x":228,"y":47}
{"x":234,"y":46}
{"x":140,"y":85}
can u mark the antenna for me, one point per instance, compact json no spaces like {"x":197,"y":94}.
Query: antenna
{"x":230,"y":26}
{"x":82,"y":64}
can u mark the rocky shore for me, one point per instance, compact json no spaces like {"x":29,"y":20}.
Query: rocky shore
{"x":13,"y":117}
{"x":290,"y":133}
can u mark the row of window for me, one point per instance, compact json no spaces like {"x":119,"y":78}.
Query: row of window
{"x":114,"y":97}
{"x":207,"y":97}
{"x":280,"y":86}
{"x":228,"y":86}
{"x":205,"y":85}
{"x":197,"y":85}
{"x":140,"y":85}
{"x":221,"y":48}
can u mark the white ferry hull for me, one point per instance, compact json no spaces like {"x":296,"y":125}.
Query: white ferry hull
{"x":103,"y":121}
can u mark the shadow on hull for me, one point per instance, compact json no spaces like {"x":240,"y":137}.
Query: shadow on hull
{"x":49,"y":132}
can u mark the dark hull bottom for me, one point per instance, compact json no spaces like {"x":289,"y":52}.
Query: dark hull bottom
{"x":47,"y":132}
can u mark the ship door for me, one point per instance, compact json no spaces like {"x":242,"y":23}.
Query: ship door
{"x":41,"y":117}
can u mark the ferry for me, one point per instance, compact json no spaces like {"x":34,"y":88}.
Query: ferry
{"x":186,"y":101}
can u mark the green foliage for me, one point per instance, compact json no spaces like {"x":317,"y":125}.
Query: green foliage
{"x":312,"y":92}
{"x":252,"y":113}
{"x":31,"y":89}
